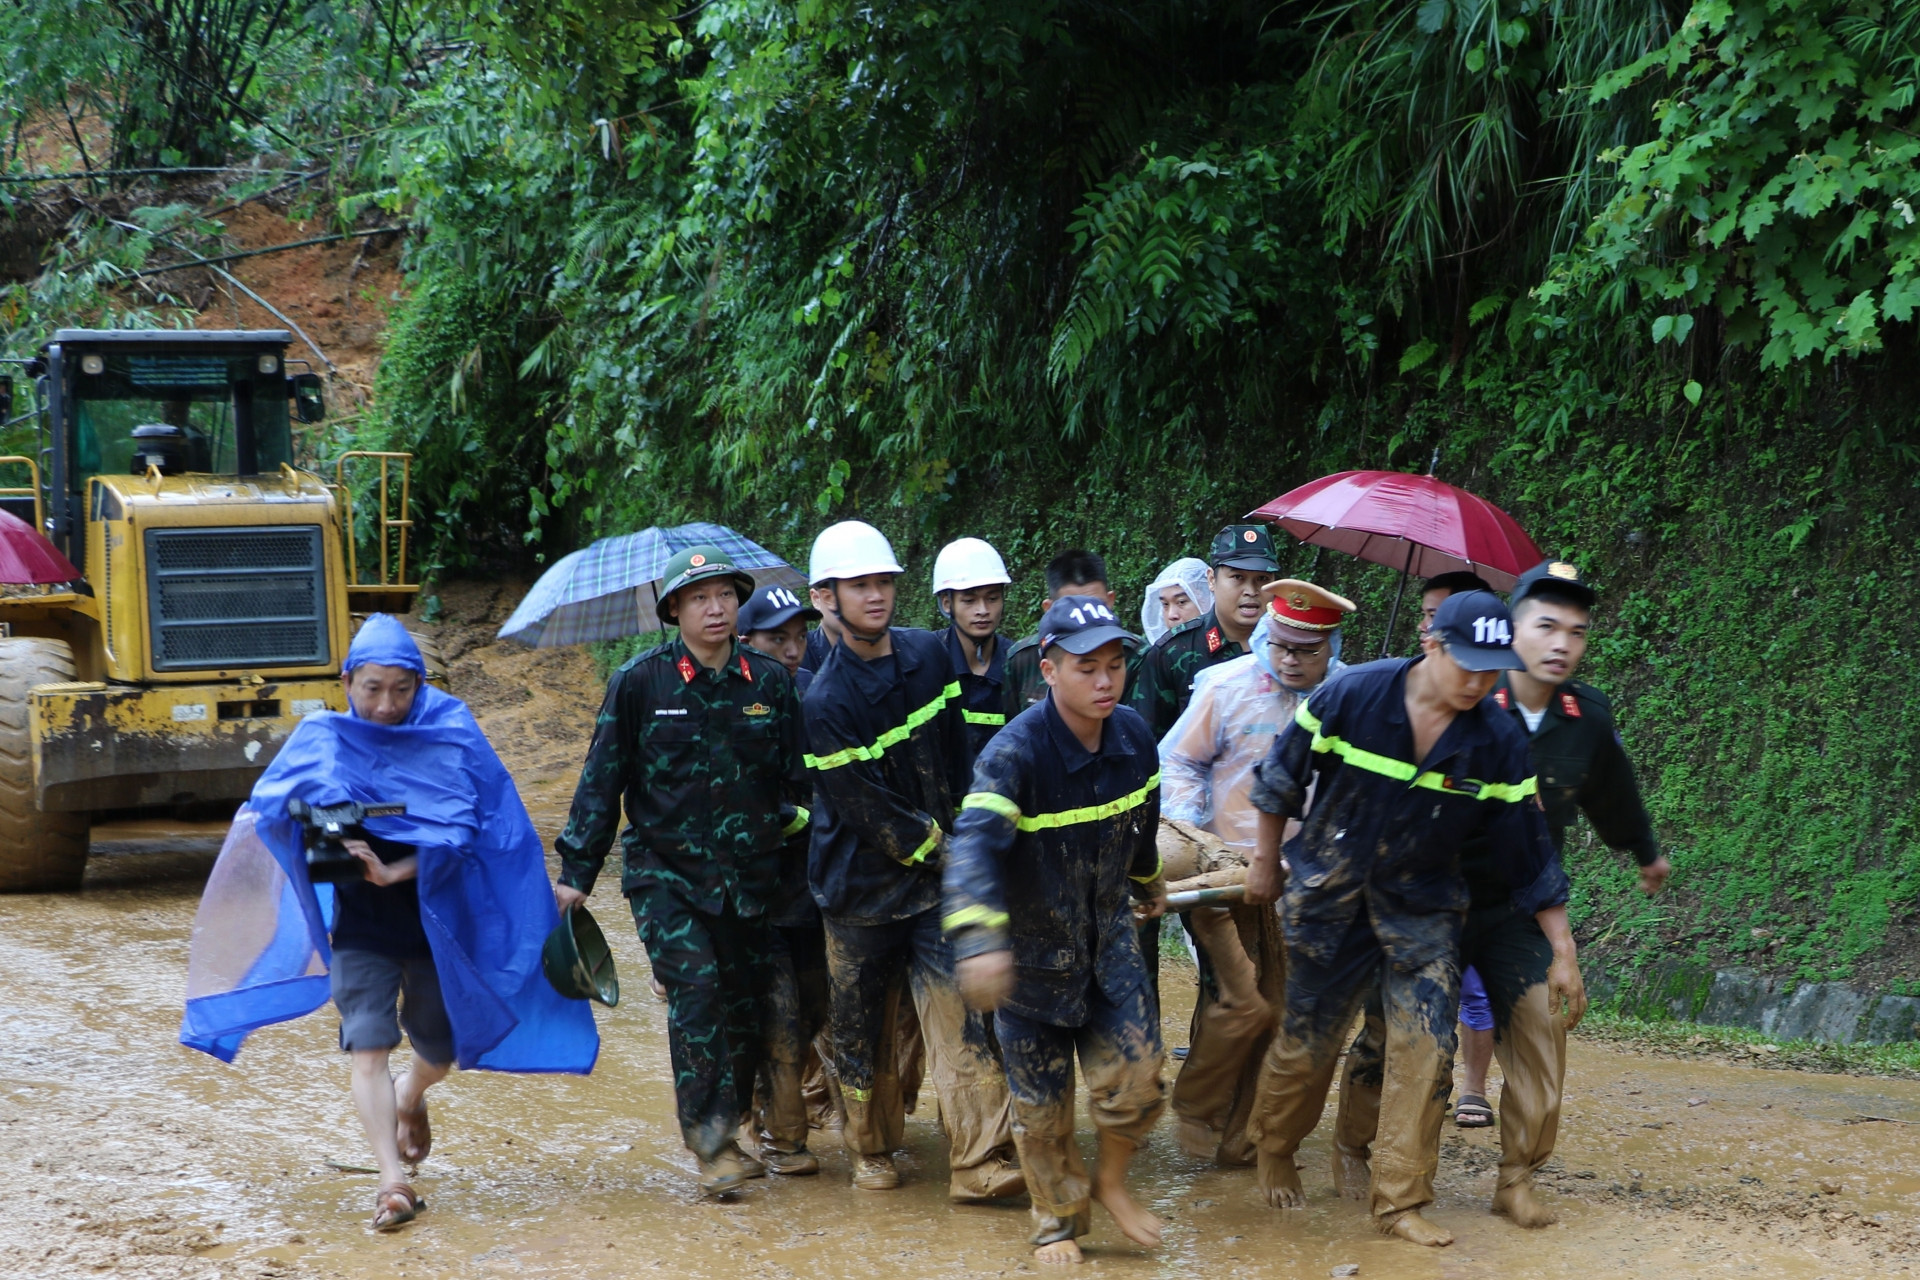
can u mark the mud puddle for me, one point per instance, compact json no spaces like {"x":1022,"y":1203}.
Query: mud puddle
{"x":122,"y":1153}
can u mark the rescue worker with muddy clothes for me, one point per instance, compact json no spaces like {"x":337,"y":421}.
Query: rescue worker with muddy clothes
{"x":1054,"y":841}
{"x":969,"y":575}
{"x":1163,"y":685}
{"x":701,"y":740}
{"x":887,"y":751}
{"x":772,"y":622}
{"x":1208,"y":761}
{"x":1581,"y":766}
{"x":1375,"y":897}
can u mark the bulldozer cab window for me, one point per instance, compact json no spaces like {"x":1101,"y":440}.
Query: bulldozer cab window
{"x":192,"y":392}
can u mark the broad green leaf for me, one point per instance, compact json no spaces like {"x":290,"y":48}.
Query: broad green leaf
{"x":1418,"y":354}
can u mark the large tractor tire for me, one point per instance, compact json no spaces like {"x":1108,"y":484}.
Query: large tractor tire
{"x":38,"y":851}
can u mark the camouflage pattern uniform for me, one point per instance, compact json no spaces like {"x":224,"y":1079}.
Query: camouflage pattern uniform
{"x":709,"y":765}
{"x":1025,"y":685}
{"x":1163,"y":685}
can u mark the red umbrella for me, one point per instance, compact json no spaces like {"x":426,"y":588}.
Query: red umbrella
{"x":25,"y":556}
{"x":1415,"y":524}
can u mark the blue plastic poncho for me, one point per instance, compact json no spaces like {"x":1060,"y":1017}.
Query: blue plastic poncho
{"x":260,"y":950}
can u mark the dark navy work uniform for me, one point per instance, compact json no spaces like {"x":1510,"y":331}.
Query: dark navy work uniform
{"x":888,"y":752}
{"x":983,"y":698}
{"x":1051,"y":842}
{"x":1582,"y":767}
{"x":1376,"y":897}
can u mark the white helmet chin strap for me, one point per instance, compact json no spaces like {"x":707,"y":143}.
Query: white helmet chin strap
{"x":864,"y":638}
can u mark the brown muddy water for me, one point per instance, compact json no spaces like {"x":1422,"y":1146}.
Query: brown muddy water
{"x":123,"y":1154}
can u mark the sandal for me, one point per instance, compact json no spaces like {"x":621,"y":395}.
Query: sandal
{"x":415,"y":1133}
{"x":1472,"y":1112}
{"x":387,"y":1215}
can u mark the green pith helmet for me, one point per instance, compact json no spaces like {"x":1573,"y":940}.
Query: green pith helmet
{"x":577,"y":960}
{"x":691,"y":566}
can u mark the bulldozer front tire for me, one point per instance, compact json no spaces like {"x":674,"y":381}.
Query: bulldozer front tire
{"x":38,"y":851}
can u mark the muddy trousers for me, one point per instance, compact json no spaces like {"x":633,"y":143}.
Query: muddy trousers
{"x":1120,"y":1056}
{"x":714,"y":968}
{"x":1232,"y":1026}
{"x":864,"y":962}
{"x":1530,"y":1042}
{"x":1418,"y":1019}
{"x":797,"y":1004}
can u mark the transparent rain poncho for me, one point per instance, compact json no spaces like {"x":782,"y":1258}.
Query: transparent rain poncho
{"x":1190,"y":575}
{"x":1207,"y":758}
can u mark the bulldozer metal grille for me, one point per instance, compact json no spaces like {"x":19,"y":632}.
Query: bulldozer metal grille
{"x":232,"y":597}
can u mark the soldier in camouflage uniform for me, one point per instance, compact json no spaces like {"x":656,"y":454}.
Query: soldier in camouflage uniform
{"x":1242,"y":562}
{"x":702,"y":739}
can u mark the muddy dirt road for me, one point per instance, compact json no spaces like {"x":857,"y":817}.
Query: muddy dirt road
{"x":123,"y":1154}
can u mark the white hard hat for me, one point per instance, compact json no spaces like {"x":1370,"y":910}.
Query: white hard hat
{"x":968,"y":563}
{"x":850,"y":549}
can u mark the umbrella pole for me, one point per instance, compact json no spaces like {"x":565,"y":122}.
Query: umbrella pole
{"x":1393,"y":614}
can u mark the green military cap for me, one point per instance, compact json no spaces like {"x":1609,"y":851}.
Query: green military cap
{"x":577,"y":961}
{"x":1244,"y":546}
{"x":693,"y":565}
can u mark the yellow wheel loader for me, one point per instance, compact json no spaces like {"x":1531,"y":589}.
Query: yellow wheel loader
{"x":218,"y":592}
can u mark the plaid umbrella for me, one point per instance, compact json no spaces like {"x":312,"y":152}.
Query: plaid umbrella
{"x":610,"y":589}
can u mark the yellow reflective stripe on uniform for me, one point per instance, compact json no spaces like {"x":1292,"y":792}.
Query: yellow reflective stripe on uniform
{"x":992,"y":801}
{"x":891,"y":738}
{"x":975,"y":916}
{"x":920,"y":854}
{"x":1401,"y":771}
{"x":1092,"y":813}
{"x":858,"y":1095}
{"x":800,"y":819}
{"x":1159,"y":865}
{"x":994,"y":718}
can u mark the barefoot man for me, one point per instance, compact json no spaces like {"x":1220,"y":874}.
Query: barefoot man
{"x":1056,"y":835}
{"x":1409,"y":765}
{"x":1582,"y":767}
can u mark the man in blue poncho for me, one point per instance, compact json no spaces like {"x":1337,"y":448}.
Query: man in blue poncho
{"x":441,"y":935}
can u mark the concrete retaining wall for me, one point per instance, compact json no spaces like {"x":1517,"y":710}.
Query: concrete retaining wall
{"x":1823,"y":1011}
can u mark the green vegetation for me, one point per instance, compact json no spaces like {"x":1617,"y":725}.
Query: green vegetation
{"x":1057,"y":273}
{"x":1686,"y":1040}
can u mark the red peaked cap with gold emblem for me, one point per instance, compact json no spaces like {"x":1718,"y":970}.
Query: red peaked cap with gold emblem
{"x":1302,"y":613}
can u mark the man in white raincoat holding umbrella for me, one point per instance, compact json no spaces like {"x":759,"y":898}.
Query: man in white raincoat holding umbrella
{"x":1206,"y":763}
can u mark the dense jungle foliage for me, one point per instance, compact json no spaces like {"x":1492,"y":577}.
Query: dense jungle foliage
{"x":1060,"y":273}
